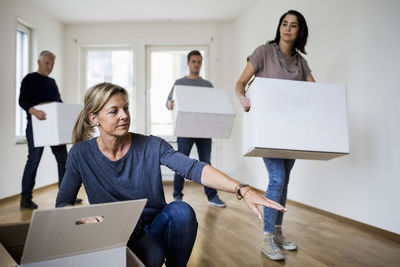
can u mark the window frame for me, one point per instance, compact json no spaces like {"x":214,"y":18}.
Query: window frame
{"x":160,"y":48}
{"x":20,"y":137}
{"x":84,"y":51}
{"x":84,"y":65}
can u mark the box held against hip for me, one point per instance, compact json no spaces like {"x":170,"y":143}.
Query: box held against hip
{"x":57,"y":128}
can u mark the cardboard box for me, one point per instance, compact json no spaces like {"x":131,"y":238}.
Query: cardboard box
{"x":54,"y":238}
{"x":57,"y":128}
{"x":202,"y":112}
{"x":297,"y":120}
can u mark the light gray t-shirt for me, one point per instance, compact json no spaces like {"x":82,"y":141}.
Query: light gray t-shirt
{"x":269,"y":62}
{"x":190,"y":82}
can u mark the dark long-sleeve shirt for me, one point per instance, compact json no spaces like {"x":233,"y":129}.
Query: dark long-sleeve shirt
{"x":36,"y":89}
{"x":136,"y":175}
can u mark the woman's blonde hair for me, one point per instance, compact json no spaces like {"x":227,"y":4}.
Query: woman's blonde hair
{"x":95,"y":99}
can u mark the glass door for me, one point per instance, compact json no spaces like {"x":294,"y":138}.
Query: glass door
{"x":165,"y":65}
{"x":114,"y":65}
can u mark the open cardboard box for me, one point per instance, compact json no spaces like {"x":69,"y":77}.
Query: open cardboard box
{"x":296,"y":120}
{"x":202,"y":112}
{"x":54,"y":239}
{"x":57,"y":128}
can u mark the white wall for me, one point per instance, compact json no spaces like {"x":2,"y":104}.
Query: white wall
{"x":136,"y":35}
{"x":47,"y":35}
{"x":356,"y":43}
{"x":217,"y":36}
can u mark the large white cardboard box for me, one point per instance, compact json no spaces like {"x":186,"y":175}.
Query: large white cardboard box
{"x":57,"y":128}
{"x":296,"y":120}
{"x":202,"y":112}
{"x":55,"y":239}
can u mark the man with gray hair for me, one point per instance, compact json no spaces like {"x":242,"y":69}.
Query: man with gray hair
{"x":38,"y":87}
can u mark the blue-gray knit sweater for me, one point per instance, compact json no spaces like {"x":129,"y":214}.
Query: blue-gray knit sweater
{"x":136,"y":175}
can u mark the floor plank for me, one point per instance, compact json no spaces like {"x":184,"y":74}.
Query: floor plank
{"x":232,"y":236}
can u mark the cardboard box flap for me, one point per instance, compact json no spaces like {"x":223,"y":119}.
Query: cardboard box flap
{"x":5,"y":259}
{"x":54,"y":233}
{"x":197,"y":99}
{"x":291,"y":154}
{"x":12,"y":237}
{"x":132,"y":260}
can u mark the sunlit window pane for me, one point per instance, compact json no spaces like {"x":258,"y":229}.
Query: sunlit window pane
{"x":115,"y":66}
{"x":166,"y":67}
{"x":22,"y":69}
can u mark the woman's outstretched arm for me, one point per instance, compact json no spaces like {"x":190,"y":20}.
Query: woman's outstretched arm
{"x":214,"y":178}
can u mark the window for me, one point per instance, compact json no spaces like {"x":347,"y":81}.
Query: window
{"x":109,"y":65}
{"x":115,"y":66}
{"x":23,"y":63}
{"x":166,"y":65}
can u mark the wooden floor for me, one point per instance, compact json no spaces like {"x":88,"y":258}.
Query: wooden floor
{"x":232,"y":236}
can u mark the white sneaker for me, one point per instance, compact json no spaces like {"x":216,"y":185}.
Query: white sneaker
{"x":282,"y":241}
{"x":271,"y":249}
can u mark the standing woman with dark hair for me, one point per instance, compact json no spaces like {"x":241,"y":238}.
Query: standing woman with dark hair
{"x":279,"y":59}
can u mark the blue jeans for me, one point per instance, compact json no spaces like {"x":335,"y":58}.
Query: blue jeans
{"x":204,"y":149}
{"x":279,"y":172}
{"x":170,"y":236}
{"x":32,"y":164}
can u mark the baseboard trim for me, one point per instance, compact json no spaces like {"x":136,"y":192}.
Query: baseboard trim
{"x":363,"y":226}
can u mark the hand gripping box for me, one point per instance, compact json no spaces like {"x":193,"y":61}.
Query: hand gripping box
{"x":202,"y":112}
{"x":296,"y":120}
{"x":53,"y":238}
{"x":57,"y":128}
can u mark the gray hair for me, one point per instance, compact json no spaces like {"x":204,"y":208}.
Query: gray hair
{"x":46,"y":53}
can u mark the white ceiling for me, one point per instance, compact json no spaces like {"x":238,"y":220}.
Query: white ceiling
{"x":85,"y":11}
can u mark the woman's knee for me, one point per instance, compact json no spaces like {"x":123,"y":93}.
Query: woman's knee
{"x":181,"y":212}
